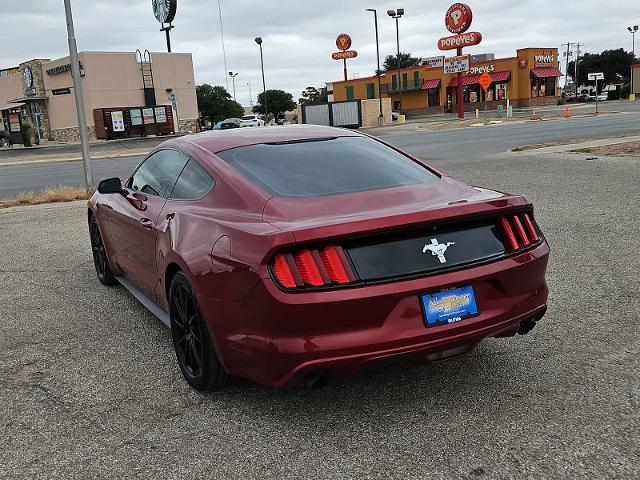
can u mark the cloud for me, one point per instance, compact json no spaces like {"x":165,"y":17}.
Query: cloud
{"x":299,"y":36}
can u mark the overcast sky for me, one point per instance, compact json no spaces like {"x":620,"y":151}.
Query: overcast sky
{"x":299,"y":36}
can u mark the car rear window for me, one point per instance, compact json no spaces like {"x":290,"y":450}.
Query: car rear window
{"x":327,"y":166}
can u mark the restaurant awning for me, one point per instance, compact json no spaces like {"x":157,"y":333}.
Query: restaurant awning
{"x":474,"y":79}
{"x":427,"y":84}
{"x":11,"y":105}
{"x":546,"y":72}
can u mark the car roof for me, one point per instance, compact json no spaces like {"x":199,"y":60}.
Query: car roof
{"x":220,"y":140}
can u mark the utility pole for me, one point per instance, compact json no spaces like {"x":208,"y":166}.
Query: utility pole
{"x":575,"y":78}
{"x":566,"y":70}
{"x":77,"y":90}
{"x":250,"y":96}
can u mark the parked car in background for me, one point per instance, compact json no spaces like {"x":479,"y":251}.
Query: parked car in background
{"x":603,"y":96}
{"x":228,"y":123}
{"x":569,"y":97}
{"x":251,"y":121}
{"x":5,"y":139}
{"x":583,"y":96}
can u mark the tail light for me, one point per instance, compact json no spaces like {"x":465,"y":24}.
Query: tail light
{"x":519,"y":231}
{"x":309,"y":268}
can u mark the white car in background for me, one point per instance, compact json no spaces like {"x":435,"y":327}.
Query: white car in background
{"x":251,"y":121}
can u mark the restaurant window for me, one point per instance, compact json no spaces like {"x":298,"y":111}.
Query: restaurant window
{"x":543,"y":87}
{"x":433,"y":95}
{"x":500,"y":91}
{"x":405,"y":80}
{"x":394,"y":82}
{"x":472,"y":94}
{"x":371,"y":91}
{"x":416,"y":79}
{"x":350,"y":95}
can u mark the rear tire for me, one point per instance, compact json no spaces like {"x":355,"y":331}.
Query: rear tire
{"x":100,"y":260}
{"x":196,"y":356}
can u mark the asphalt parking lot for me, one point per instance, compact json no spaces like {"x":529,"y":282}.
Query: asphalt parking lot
{"x":91,"y":389}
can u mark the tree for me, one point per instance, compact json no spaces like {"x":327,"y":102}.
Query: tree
{"x":313,"y":95}
{"x":215,"y":103}
{"x":278,"y":102}
{"x":613,"y":63}
{"x":406,"y":60}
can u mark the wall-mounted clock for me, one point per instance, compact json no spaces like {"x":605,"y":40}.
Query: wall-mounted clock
{"x":164,"y":10}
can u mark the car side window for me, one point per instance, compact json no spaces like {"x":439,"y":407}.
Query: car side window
{"x":159,"y":173}
{"x":193,"y":184}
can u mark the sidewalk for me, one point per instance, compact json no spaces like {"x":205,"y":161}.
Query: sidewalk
{"x":100,"y":149}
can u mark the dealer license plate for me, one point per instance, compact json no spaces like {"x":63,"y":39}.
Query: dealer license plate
{"x":449,"y":306}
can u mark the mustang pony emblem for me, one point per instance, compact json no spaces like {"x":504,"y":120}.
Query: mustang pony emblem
{"x":438,"y":249}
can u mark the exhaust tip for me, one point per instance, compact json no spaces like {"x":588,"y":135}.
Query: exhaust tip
{"x":526,"y":326}
{"x":315,"y":381}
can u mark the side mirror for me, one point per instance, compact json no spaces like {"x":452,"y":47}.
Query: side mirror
{"x":110,"y":185}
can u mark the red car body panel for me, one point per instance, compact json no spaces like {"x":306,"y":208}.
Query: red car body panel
{"x":224,"y":244}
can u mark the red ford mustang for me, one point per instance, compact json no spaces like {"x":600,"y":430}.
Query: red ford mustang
{"x":299,"y":254}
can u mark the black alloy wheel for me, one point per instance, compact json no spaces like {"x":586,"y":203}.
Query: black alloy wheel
{"x":195,"y":353}
{"x":100,"y":260}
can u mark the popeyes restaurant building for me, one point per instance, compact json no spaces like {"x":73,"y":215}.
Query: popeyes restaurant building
{"x":528,"y":79}
{"x":125,"y":93}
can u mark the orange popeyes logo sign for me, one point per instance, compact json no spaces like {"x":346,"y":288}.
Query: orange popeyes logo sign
{"x":458,"y":18}
{"x":343,"y":42}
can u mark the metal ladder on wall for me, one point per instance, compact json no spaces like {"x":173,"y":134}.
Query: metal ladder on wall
{"x":146,"y":69}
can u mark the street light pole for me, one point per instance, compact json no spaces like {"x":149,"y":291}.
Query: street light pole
{"x":77,"y":90}
{"x":375,"y":19}
{"x":250,"y":96}
{"x":397,"y":14}
{"x":233,"y":79}
{"x":633,"y":31}
{"x":264,"y":85}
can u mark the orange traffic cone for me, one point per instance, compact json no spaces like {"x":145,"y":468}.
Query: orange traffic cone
{"x":567,"y":112}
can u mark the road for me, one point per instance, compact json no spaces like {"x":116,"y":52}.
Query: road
{"x":91,"y":389}
{"x":436,"y":146}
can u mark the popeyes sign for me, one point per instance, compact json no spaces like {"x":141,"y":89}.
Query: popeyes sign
{"x":458,"y":41}
{"x":458,"y":20}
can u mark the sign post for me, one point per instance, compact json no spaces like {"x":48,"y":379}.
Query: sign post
{"x":485,"y":83}
{"x":343,"y":42}
{"x":596,"y":76}
{"x":458,"y":20}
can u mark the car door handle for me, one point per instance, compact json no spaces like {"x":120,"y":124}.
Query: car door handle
{"x":146,"y":223}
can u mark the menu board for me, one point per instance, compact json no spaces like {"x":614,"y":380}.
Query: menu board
{"x":136,"y":116}
{"x":14,"y":122}
{"x":147,"y":114}
{"x":161,"y":115}
{"x":117,"y":120}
